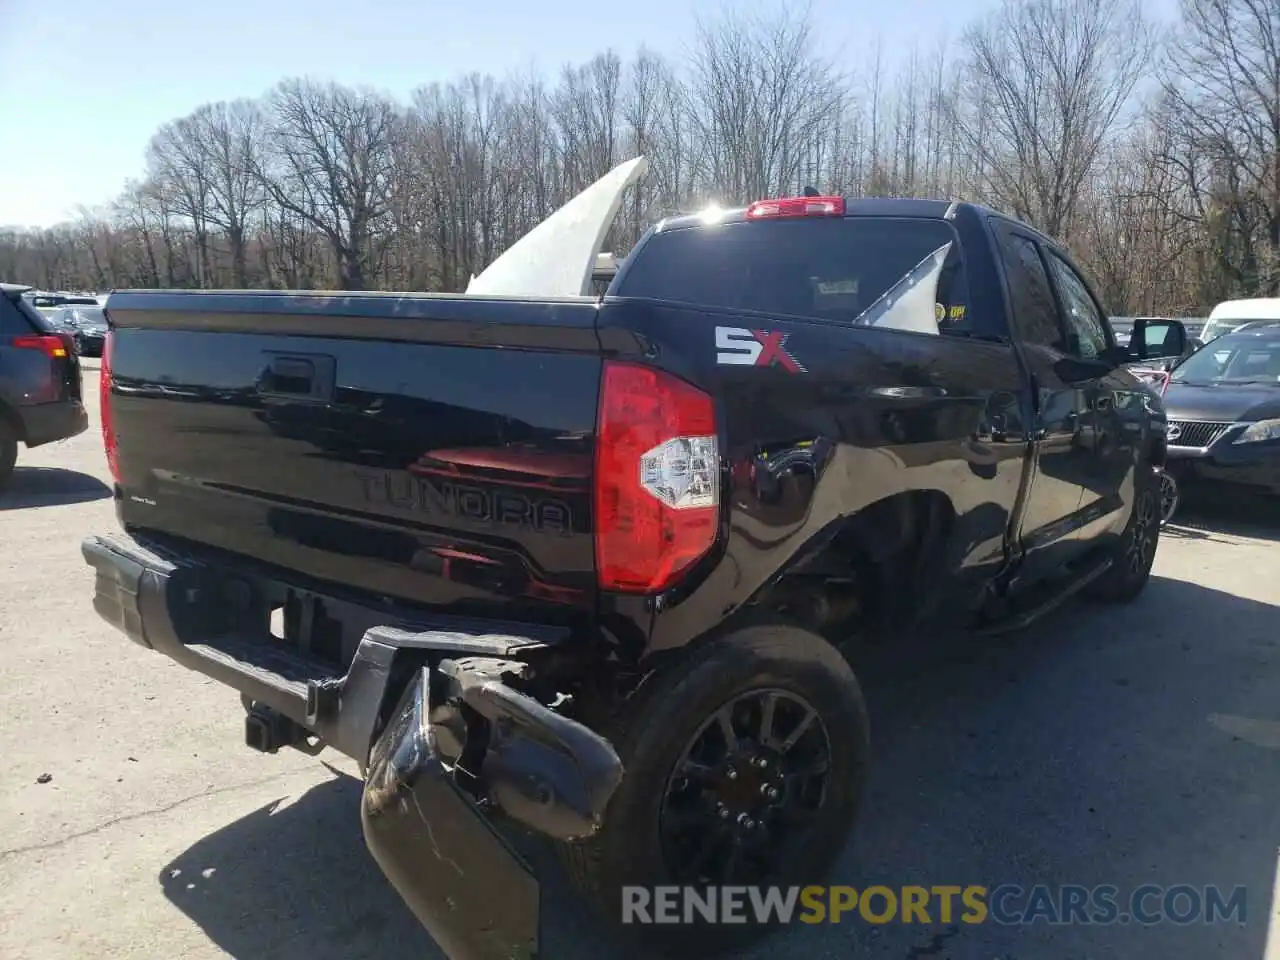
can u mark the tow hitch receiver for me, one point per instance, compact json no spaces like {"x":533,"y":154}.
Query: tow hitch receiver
{"x":424,"y":800}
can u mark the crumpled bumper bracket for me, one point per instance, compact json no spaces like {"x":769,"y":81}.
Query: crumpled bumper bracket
{"x":423,"y":812}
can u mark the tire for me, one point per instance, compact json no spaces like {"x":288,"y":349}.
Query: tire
{"x":795,"y":670}
{"x":1135,"y":551}
{"x":8,"y":457}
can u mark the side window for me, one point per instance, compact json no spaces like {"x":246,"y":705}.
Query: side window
{"x":1035,"y":314}
{"x":1086,"y":327}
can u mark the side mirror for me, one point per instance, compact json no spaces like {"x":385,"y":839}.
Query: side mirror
{"x":1157,"y":340}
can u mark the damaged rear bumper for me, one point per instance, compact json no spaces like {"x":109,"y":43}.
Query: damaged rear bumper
{"x":442,"y":750}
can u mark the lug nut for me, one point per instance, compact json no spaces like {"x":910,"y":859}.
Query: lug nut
{"x":746,"y":822}
{"x":773,"y":793}
{"x":764,"y":764}
{"x":723,"y":811}
{"x":732,"y":774}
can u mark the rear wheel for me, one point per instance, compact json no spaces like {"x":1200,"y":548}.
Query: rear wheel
{"x":1135,"y":551}
{"x":743,"y":765}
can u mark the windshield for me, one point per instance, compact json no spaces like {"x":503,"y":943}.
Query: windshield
{"x":91,"y":317}
{"x":1233,"y":358}
{"x":874,"y":271}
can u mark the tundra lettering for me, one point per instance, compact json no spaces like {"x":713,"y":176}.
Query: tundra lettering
{"x":477,"y":504}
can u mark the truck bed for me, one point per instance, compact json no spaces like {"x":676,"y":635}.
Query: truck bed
{"x":357,"y":439}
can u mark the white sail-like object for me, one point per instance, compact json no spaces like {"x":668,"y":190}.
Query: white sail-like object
{"x":556,"y":258}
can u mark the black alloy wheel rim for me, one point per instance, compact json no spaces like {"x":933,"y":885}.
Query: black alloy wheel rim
{"x":1146,"y":528}
{"x":747,"y":789}
{"x":1168,"y":497}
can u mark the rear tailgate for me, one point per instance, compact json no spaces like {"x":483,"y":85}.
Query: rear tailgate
{"x":429,"y":448}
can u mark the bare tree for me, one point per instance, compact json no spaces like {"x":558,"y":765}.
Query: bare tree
{"x":1225,"y":99}
{"x":760,"y":97}
{"x":228,"y":138}
{"x":177,"y":158}
{"x":1050,"y":81}
{"x":328,"y":161}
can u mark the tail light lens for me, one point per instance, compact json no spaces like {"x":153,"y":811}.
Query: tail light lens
{"x":104,"y":407}
{"x":50,"y":344}
{"x":657,"y":490}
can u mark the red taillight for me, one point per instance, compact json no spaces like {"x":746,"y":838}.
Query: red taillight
{"x":104,"y":407}
{"x":796,"y":207}
{"x":657,"y":479}
{"x":49,"y":344}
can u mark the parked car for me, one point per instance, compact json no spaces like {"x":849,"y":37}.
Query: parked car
{"x":40,"y":399}
{"x":1232,"y":314}
{"x":1223,"y":406}
{"x":590,"y":564}
{"x":87,"y":326}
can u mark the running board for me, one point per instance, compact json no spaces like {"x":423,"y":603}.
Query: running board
{"x":1021,"y":617}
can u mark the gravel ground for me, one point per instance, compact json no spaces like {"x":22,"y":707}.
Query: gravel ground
{"x":1129,"y":747}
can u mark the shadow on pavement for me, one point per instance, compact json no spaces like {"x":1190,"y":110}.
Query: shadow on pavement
{"x":50,"y":487}
{"x":293,"y":880}
{"x":1210,"y":512}
{"x":1120,"y":746}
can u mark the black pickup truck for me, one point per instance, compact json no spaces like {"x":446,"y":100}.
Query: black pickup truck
{"x":592,"y":565}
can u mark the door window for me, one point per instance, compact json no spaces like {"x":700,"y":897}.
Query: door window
{"x":1086,"y":327}
{"x":1031,"y":296}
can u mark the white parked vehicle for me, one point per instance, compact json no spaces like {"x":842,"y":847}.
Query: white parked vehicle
{"x":1230,"y":315}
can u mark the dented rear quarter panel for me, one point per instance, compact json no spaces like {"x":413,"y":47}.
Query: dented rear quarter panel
{"x":862,"y":416}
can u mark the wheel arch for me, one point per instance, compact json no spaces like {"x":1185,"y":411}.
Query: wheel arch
{"x":851,"y":572}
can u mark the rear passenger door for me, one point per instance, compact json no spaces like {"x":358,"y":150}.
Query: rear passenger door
{"x":1049,"y":522}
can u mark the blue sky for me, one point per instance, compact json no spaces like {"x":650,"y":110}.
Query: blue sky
{"x":84,"y":83}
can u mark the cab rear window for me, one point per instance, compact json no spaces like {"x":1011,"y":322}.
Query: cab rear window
{"x":844,"y":271}
{"x":19,"y":318}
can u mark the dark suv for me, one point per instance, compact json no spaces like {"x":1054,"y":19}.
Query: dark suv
{"x":40,"y":398}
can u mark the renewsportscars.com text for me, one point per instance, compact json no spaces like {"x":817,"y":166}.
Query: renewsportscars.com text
{"x":1008,"y":904}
